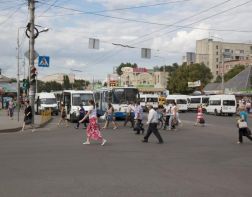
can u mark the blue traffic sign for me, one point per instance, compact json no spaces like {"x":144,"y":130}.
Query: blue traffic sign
{"x":43,"y":61}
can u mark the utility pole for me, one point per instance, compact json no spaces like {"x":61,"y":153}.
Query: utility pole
{"x":31,"y":59}
{"x":18,"y":80}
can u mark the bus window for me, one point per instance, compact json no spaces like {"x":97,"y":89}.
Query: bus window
{"x":229,"y":102}
{"x":205,"y":100}
{"x":181,"y":101}
{"x":195,"y":100}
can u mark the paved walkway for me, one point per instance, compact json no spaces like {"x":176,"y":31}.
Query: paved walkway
{"x":8,"y":125}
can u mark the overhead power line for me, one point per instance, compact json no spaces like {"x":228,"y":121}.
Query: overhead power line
{"x":134,"y":43}
{"x":111,"y":10}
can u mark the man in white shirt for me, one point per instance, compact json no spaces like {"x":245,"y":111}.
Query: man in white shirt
{"x":138,"y":118}
{"x":152,"y":122}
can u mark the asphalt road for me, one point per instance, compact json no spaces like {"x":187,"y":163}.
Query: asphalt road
{"x":193,"y":161}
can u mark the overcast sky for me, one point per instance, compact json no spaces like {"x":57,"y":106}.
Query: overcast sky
{"x":138,"y":23}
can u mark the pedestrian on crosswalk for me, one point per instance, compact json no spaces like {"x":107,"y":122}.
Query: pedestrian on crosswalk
{"x":152,"y":128}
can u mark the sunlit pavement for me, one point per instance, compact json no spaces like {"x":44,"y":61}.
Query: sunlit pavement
{"x":193,"y":161}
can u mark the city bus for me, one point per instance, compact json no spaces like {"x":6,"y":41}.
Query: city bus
{"x":119,"y":97}
{"x":72,"y":99}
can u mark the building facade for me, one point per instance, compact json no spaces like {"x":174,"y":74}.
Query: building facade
{"x":215,"y":53}
{"x":147,"y":81}
{"x":189,"y":58}
{"x":59,"y":78}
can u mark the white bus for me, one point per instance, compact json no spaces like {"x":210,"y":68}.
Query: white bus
{"x":181,"y":101}
{"x":195,"y":101}
{"x":222,"y":104}
{"x":119,"y":97}
{"x":72,"y":99}
{"x":148,"y":99}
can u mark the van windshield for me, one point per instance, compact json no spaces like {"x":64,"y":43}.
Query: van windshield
{"x":48,"y":101}
{"x":229,"y":102}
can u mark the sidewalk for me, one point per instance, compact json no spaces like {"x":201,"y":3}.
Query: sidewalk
{"x":8,"y":125}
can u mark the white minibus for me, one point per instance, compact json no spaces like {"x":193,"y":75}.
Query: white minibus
{"x":181,"y":101}
{"x":44,"y":101}
{"x":148,"y":99}
{"x":222,"y":104}
{"x":195,"y":101}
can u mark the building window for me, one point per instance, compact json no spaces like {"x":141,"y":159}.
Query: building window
{"x":217,"y":66}
{"x":217,"y":53}
{"x":242,"y":51}
{"x":217,"y":72}
{"x":227,"y":50}
{"x":217,"y":59}
{"x":217,"y":46}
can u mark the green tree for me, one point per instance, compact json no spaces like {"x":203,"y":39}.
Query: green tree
{"x":178,"y":82}
{"x":233,"y":72}
{"x":118,"y":69}
{"x":49,"y":86}
{"x":66,"y":82}
{"x":218,"y":79}
{"x":80,"y":84}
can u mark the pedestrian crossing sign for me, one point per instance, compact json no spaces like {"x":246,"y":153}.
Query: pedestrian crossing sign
{"x":43,"y":61}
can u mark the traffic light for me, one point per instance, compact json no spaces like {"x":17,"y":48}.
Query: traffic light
{"x":26,"y":84}
{"x":33,"y":72}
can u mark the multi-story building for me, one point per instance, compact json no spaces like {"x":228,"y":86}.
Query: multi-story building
{"x":59,"y":77}
{"x":215,"y":53}
{"x":146,"y":80}
{"x":189,"y":58}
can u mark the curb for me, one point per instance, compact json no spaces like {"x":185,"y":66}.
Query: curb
{"x":12,"y":130}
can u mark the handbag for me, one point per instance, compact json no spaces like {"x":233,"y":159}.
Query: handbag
{"x":242,"y":124}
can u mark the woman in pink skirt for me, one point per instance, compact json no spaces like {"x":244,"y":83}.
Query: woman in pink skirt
{"x":93,"y":129}
{"x":200,"y":118}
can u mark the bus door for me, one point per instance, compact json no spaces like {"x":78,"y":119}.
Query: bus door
{"x":67,"y":102}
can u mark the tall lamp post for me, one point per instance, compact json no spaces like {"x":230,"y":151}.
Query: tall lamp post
{"x":18,"y":72}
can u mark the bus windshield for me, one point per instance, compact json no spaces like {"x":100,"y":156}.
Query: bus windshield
{"x":124,"y":95}
{"x":81,"y":99}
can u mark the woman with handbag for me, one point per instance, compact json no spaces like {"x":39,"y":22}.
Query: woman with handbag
{"x":243,"y":126}
{"x":27,"y":115}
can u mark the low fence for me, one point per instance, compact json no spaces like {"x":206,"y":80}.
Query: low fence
{"x":46,"y":115}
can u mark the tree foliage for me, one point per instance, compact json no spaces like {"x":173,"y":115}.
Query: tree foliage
{"x":231,"y":73}
{"x":118,"y":69}
{"x":66,"y":82}
{"x":178,"y":82}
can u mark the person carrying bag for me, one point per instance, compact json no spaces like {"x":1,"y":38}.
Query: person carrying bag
{"x":242,"y":125}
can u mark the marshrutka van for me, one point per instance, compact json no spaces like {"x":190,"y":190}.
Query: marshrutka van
{"x":195,"y":101}
{"x":181,"y":101}
{"x":148,"y":99}
{"x":222,"y":104}
{"x":45,"y":101}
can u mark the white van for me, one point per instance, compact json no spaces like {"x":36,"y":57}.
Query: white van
{"x":44,"y":101}
{"x":195,"y":101}
{"x":181,"y":101}
{"x":72,"y":99}
{"x":222,"y":104}
{"x":148,"y":99}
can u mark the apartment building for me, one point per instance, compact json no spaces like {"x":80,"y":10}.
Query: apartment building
{"x":215,"y":53}
{"x":189,"y":58}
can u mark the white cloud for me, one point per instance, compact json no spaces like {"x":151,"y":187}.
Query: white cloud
{"x":67,"y":41}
